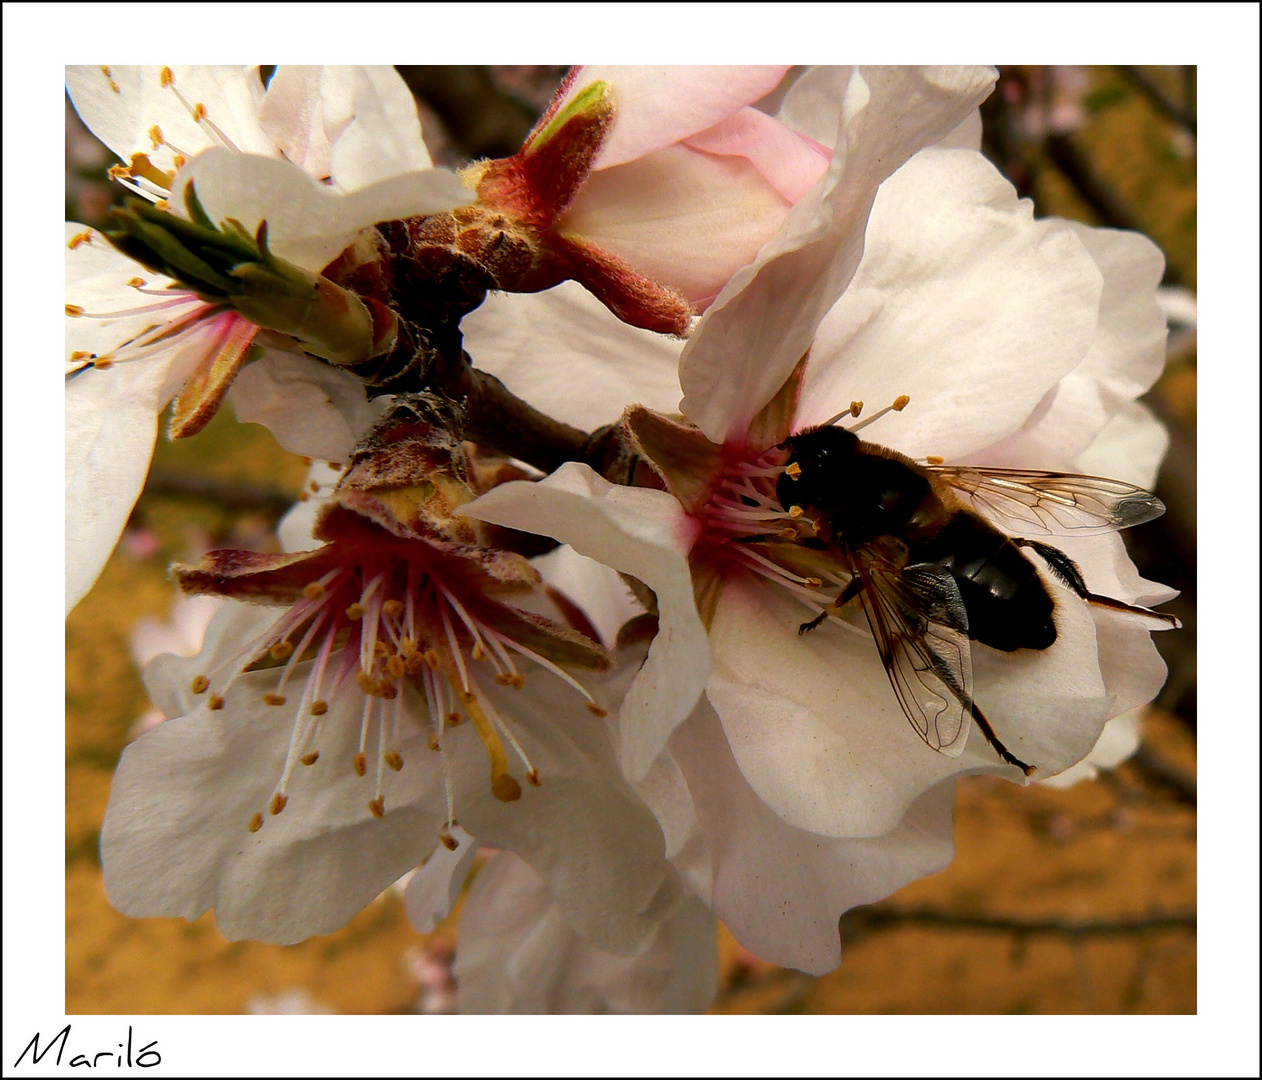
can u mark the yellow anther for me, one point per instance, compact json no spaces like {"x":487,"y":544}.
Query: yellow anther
{"x":355,"y":612}
{"x":256,"y":822}
{"x":395,"y":760}
{"x":118,"y":172}
{"x":395,"y":666}
{"x":314,"y":591}
{"x":311,"y":758}
{"x":155,"y":136}
{"x":449,"y":841}
{"x":504,"y":679}
{"x":103,"y":364}
{"x":199,"y":111}
{"x":314,"y":485}
{"x":796,"y":512}
{"x":282,"y":650}
{"x":79,"y":238}
{"x":935,"y":459}
{"x":303,"y":496}
{"x":319,"y":708}
{"x":388,"y":691}
{"x":478,"y":653}
{"x":392,"y":608}
{"x":336,"y":466}
{"x":74,"y":310}
{"x":200,"y":684}
{"x":307,"y":461}
{"x":113,"y":85}
{"x":793,"y":469}
{"x":454,"y":719}
{"x":596,"y":710}
{"x":80,"y":354}
{"x":856,"y":407}
{"x":277,"y":804}
{"x":533,"y":777}
{"x":433,"y":742}
{"x":215,"y":702}
{"x":273,"y":699}
{"x":166,"y":77}
{"x":431,"y":658}
{"x":162,"y":204}
{"x":180,"y":161}
{"x":900,"y":403}
{"x":407,"y":647}
{"x":365,"y":681}
{"x":361,"y":764}
{"x":378,"y":806}
{"x":380,"y":649}
{"x":137,"y":282}
{"x":814,"y":582}
{"x":517,"y":682}
{"x":413,"y":663}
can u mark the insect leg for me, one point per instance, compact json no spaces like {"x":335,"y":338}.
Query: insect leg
{"x":844,"y":597}
{"x":993,"y":739}
{"x":1067,"y":571}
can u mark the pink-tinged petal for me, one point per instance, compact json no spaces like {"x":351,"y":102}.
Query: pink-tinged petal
{"x":789,"y":163}
{"x":1131,"y":447}
{"x":657,"y":106}
{"x":309,"y":224}
{"x":111,"y":426}
{"x":781,"y":890}
{"x":123,"y":104}
{"x":766,"y":316}
{"x":315,"y":410}
{"x":947,"y":235}
{"x":638,"y":532}
{"x":686,"y":219}
{"x":563,"y":352}
{"x":432,"y":891}
{"x":518,"y":954}
{"x":1126,"y":356}
{"x":355,"y":125}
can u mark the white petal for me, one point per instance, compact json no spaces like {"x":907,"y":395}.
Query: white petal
{"x":123,"y":118}
{"x":309,"y":224}
{"x":434,"y":889}
{"x":1118,"y":741}
{"x":313,"y":409}
{"x":518,"y":954}
{"x":638,"y":532}
{"x":1130,"y":447}
{"x":781,"y":890}
{"x":597,"y":589}
{"x":563,"y":352}
{"x":111,"y":425}
{"x":749,"y":340}
{"x":962,"y":301}
{"x":355,"y":124}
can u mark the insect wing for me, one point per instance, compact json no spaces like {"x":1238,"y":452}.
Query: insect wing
{"x":921,"y":631}
{"x":1046,"y":503}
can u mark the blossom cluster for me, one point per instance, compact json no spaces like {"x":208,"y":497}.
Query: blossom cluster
{"x":600,"y":617}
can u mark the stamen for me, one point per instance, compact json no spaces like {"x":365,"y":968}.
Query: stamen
{"x":311,"y":758}
{"x":79,"y":239}
{"x":200,"y":684}
{"x":256,"y":822}
{"x":277,"y":804}
{"x":900,"y":403}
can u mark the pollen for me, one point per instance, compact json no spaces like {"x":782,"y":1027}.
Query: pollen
{"x":533,"y":778}
{"x":199,"y":112}
{"x":935,"y":459}
{"x":433,"y":742}
{"x":378,"y":806}
{"x":454,"y":719}
{"x":282,"y":650}
{"x":137,"y":282}
{"x":395,"y":760}
{"x":796,"y":512}
{"x":104,"y":364}
{"x":200,"y":684}
{"x":303,"y":496}
{"x":407,"y":647}
{"x":395,"y":666}
{"x":361,"y":765}
{"x":596,"y":710}
{"x":793,"y":469}
{"x":314,"y":591}
{"x":113,"y":85}
{"x":180,"y":161}
{"x":311,"y":758}
{"x":449,"y":841}
{"x":215,"y":703}
{"x":80,"y":354}
{"x":256,"y":822}
{"x":273,"y":699}
{"x":901,"y":402}
{"x":392,"y":608}
{"x":74,"y":310}
{"x":431,"y":658}
{"x":314,"y":485}
{"x":155,"y":136}
{"x":814,"y":582}
{"x":79,"y":238}
{"x":336,"y":466}
{"x":277,"y":804}
{"x":166,"y":77}
{"x":319,"y":708}
{"x":856,"y":407}
{"x":118,"y":172}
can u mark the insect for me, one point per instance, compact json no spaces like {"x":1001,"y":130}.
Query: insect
{"x":932,"y":572}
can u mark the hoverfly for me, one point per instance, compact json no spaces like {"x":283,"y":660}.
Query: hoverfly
{"x":931,"y":571}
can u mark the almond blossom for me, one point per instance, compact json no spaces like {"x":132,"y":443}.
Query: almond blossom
{"x":291,"y":155}
{"x":789,"y":783}
{"x":317,"y":747}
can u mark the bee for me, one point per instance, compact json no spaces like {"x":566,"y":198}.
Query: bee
{"x":931,"y":569}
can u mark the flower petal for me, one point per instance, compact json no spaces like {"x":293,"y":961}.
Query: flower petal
{"x":518,"y":954}
{"x":781,"y":890}
{"x":657,"y":106}
{"x":766,"y":316}
{"x":638,"y":532}
{"x":432,"y":891}
{"x":563,"y":353}
{"x":947,"y":236}
{"x":309,"y":224}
